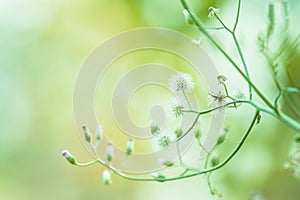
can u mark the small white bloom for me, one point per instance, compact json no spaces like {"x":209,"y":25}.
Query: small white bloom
{"x":164,"y":141}
{"x":219,"y":98}
{"x":181,"y":82}
{"x":213,"y":11}
{"x":106,"y":177}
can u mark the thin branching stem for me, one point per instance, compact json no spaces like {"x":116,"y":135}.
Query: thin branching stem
{"x":237,"y":16}
{"x":201,"y":28}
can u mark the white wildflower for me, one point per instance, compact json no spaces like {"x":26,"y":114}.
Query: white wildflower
{"x":213,"y":11}
{"x":219,"y":98}
{"x":181,"y":82}
{"x":221,"y":79}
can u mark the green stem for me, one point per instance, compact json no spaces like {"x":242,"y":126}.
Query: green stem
{"x":243,"y":62}
{"x":240,"y":52}
{"x":199,"y":25}
{"x":205,"y":171}
{"x":86,"y":164}
{"x":237,"y":16}
{"x":187,"y":100}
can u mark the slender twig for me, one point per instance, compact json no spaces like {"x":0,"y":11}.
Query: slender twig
{"x":201,"y":28}
{"x":198,"y":172}
{"x":237,"y":16}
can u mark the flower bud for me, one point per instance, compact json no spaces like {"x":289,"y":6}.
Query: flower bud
{"x":198,"y":134}
{"x":109,"y":152}
{"x":99,"y":132}
{"x":155,"y":130}
{"x":213,"y":11}
{"x":87,"y":133}
{"x":216,"y":193}
{"x":168,"y":163}
{"x":188,"y":18}
{"x":158,"y":176}
{"x":221,"y":79}
{"x":129,"y":147}
{"x":178,"y":132}
{"x":215,"y":160}
{"x":70,"y":158}
{"x":221,"y":138}
{"x":106,"y":177}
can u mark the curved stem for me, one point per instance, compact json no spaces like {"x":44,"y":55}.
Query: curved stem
{"x":86,"y":164}
{"x":205,"y":171}
{"x":187,"y":100}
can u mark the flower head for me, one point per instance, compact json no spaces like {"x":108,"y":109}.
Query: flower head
{"x":177,"y":110}
{"x":213,"y":11}
{"x":164,"y":141}
{"x":181,"y":82}
{"x":219,"y":98}
{"x":221,"y":79}
{"x":155,"y":130}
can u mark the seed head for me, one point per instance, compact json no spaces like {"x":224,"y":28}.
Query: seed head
{"x":181,"y":82}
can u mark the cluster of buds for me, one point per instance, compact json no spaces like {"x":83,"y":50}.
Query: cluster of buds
{"x":181,"y":82}
{"x":106,"y":175}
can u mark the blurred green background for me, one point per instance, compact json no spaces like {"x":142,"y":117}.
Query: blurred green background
{"x":43,"y":46}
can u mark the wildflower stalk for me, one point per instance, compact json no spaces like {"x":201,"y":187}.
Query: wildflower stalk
{"x":237,"y":44}
{"x":201,"y":28}
{"x":195,"y":172}
{"x":186,"y":84}
{"x":272,"y":110}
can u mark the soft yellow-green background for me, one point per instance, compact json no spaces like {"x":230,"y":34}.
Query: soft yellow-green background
{"x":43,"y":44}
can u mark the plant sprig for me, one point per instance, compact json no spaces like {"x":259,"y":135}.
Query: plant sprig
{"x":223,"y":101}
